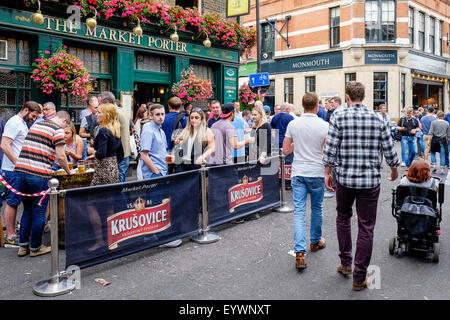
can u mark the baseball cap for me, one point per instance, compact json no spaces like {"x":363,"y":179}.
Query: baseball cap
{"x":266,"y":109}
{"x":227,"y":109}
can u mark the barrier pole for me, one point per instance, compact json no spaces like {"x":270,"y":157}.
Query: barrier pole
{"x":284,"y":208}
{"x":205,"y":236}
{"x":59,"y":283}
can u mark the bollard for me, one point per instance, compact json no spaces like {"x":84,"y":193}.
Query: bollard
{"x":284,"y":208}
{"x":204,"y":236}
{"x":59,"y":283}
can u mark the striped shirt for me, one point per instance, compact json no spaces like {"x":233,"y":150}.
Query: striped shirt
{"x":38,"y":151}
{"x":356,"y":138}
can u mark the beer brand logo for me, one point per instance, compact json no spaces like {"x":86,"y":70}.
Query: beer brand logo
{"x":245,"y":192}
{"x":138,"y":221}
{"x":287,"y":171}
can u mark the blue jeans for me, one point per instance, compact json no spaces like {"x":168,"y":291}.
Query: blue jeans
{"x":442,"y":157}
{"x":123,"y":169}
{"x":409,"y":146}
{"x":301,"y":186}
{"x":33,"y":216}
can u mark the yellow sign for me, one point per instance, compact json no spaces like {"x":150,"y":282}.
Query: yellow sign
{"x":238,"y":8}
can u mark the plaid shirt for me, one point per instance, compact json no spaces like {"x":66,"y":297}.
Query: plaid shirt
{"x":356,"y":138}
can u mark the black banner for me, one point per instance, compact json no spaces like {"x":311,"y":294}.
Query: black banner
{"x":111,"y":221}
{"x":238,"y":190}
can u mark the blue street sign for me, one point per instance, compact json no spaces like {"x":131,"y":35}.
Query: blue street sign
{"x":259,"y":80}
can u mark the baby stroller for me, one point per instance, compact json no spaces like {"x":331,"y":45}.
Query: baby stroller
{"x":418,"y":217}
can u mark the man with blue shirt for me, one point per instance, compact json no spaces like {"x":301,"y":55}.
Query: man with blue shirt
{"x":239,"y":125}
{"x":426,"y":124}
{"x":322,"y":113}
{"x":154,"y":145}
{"x":216,"y":111}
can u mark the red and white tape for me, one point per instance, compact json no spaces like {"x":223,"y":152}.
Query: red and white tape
{"x":42,"y":193}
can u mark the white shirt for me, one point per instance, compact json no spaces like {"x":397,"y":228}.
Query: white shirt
{"x":308,"y":133}
{"x":15,"y":129}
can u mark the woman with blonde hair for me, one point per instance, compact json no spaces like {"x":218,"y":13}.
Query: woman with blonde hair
{"x":262,"y":132}
{"x":195,"y":143}
{"x":74,"y":146}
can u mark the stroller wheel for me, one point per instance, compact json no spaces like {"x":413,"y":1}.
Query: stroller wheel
{"x":392,"y":246}
{"x":435,"y":256}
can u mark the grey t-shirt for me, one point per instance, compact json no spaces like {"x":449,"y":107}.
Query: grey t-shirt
{"x":440,"y":128}
{"x":223,"y":131}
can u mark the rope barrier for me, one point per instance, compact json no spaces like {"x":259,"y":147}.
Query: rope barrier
{"x":42,"y":193}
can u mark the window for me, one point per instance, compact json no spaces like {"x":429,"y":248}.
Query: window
{"x":289,"y":90}
{"x":403,"y":88}
{"x":411,"y":26}
{"x":380,"y":20}
{"x":147,"y":62}
{"x":310,"y":84}
{"x":349,"y":77}
{"x":15,"y":81}
{"x":421,"y":31}
{"x":268,"y":41}
{"x":431,"y":36}
{"x":440,"y":37}
{"x":207,"y":72}
{"x":379,"y":89}
{"x":186,"y":3}
{"x":334,"y":27}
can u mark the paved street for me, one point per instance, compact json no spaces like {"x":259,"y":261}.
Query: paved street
{"x":251,"y":261}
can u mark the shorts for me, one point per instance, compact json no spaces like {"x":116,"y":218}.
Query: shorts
{"x":12,"y":178}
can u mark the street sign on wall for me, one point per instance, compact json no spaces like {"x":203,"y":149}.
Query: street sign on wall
{"x":259,"y":80}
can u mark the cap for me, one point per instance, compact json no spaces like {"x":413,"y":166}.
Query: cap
{"x":227,"y":109}
{"x":267,"y":109}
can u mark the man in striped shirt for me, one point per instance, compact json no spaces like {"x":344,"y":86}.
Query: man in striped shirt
{"x":355,"y":139}
{"x":43,"y":144}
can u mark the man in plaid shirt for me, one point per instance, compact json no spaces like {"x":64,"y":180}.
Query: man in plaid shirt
{"x":356,"y":138}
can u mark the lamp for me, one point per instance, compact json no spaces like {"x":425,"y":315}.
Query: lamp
{"x":138,"y":30}
{"x":174,"y":36}
{"x":161,"y":90}
{"x":92,"y":22}
{"x":207,"y":42}
{"x":37,"y":17}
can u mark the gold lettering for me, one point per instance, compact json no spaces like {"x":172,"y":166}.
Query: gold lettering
{"x":91,"y":32}
{"x":171,"y":45}
{"x":166,"y":44}
{"x":121,"y":36}
{"x":151,"y":40}
{"x":58,"y":24}
{"x":71,"y":26}
{"x":112,"y":34}
{"x":103,"y":34}
{"x":160,"y":43}
{"x":183,"y":47}
{"x":178,"y":46}
{"x":49,"y":20}
{"x":139,"y":40}
{"x":132,"y":38}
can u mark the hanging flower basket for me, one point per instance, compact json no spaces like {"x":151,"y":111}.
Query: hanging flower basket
{"x":61,"y":72}
{"x":191,"y":88}
{"x":247,"y":97}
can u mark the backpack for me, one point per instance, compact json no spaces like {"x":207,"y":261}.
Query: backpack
{"x":418,"y":218}
{"x":178,"y":124}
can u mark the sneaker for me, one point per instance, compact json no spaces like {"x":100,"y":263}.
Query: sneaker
{"x":344,"y":270}
{"x":403,"y":164}
{"x":47,"y":227}
{"x":253,"y":216}
{"x":318,"y":245}
{"x":23,"y":251}
{"x":11,"y":242}
{"x":300,"y":261}
{"x":238,"y":221}
{"x":42,"y":250}
{"x":171,"y":244}
{"x":328,"y":194}
{"x":359,"y":286}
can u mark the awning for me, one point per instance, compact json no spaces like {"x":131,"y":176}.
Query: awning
{"x":430,"y":74}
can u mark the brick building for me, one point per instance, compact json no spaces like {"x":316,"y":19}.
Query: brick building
{"x":399,"y":49}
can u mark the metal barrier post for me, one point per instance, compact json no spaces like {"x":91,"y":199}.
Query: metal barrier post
{"x":59,"y":283}
{"x":284,"y":208}
{"x":204,"y":236}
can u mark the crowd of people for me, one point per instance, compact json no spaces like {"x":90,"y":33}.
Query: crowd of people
{"x":334,"y":150}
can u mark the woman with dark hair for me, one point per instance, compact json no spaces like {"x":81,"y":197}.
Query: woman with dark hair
{"x":141,"y":114}
{"x":419,"y":175}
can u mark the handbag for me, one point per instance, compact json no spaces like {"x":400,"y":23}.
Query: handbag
{"x":133,"y":147}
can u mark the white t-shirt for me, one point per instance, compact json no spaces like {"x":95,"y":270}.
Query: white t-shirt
{"x":308,"y":133}
{"x":15,"y":129}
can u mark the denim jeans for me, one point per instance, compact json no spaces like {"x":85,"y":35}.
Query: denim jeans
{"x":33,"y":216}
{"x":442,"y":157}
{"x":409,"y":146}
{"x":301,"y":186}
{"x":123,"y":169}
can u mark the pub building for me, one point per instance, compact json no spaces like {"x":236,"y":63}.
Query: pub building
{"x":136,"y":68}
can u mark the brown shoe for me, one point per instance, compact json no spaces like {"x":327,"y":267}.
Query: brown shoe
{"x":344,"y":270}
{"x":23,"y":251}
{"x":318,"y":245}
{"x":360,"y":286}
{"x":300,"y":261}
{"x":42,"y":250}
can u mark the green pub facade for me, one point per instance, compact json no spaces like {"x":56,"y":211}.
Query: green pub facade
{"x":137,"y":69}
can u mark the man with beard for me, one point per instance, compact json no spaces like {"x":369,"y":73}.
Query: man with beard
{"x":16,"y":129}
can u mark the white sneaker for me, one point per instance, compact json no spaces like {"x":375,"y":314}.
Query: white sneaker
{"x":328,"y":194}
{"x":403,"y":164}
{"x":171,"y":244}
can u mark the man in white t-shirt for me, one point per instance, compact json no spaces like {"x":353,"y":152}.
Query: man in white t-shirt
{"x":14,"y":134}
{"x":306,"y":137}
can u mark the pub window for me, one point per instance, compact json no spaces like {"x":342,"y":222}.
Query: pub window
{"x":206,"y":72}
{"x":147,"y":62}
{"x":379,"y":89}
{"x":289,"y":90}
{"x":15,"y":81}
{"x":380,"y":20}
{"x":421,"y":31}
{"x":268,"y":40}
{"x":334,"y":27}
{"x":187,"y":3}
{"x":97,"y":62}
{"x":431,"y":36}
{"x":349,"y":77}
{"x":440,"y":37}
{"x":411,"y":25}
{"x":310,"y":84}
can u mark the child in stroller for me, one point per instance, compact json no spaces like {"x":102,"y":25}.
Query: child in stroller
{"x":415,"y":206}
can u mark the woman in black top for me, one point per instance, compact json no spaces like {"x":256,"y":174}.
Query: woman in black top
{"x":262,"y":132}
